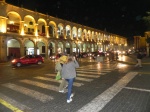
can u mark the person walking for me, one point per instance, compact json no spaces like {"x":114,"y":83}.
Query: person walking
{"x":139,"y":59}
{"x":69,"y":73}
{"x":58,"y":67}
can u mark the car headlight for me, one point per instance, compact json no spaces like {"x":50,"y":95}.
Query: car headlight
{"x":13,"y":61}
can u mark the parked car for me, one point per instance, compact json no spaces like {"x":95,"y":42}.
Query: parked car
{"x":28,"y":59}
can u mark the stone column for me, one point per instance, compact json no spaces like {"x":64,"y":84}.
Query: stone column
{"x":64,"y":33}
{"x":47,"y":31}
{"x":56,"y":33}
{"x":3,"y":49}
{"x":46,"y":52}
{"x":3,"y":24}
{"x":56,"y":48}
{"x":71,"y":36}
{"x":36,"y":29}
{"x":22,"y":50}
{"x":71,"y":48}
{"x":35,"y":48}
{"x":21,"y":32}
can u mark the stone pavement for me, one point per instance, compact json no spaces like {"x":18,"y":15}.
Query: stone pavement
{"x":114,"y":92}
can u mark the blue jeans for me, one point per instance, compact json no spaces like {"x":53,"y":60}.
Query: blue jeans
{"x":70,"y":85}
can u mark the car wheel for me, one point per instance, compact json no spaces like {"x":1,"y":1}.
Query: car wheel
{"x":18,"y":64}
{"x":39,"y":62}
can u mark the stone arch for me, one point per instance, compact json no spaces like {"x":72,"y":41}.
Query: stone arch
{"x":29,"y":24}
{"x":84,"y":34}
{"x":13,"y":22}
{"x":74,"y":32}
{"x":51,"y":48}
{"x":68,"y":31}
{"x":79,"y":33}
{"x":67,"y":48}
{"x":89,"y":35}
{"x":60,"y":31}
{"x":74,"y":47}
{"x":41,"y":27}
{"x":29,"y":47}
{"x":60,"y":47}
{"x":52,"y":28}
{"x":13,"y":48}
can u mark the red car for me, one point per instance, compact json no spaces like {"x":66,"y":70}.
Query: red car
{"x":28,"y":59}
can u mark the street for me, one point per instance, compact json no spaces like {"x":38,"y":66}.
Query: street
{"x":34,"y":88}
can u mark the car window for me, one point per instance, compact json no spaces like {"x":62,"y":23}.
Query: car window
{"x":30,"y":56}
{"x":36,"y":56}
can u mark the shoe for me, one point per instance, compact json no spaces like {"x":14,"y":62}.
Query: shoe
{"x":66,"y":86}
{"x":62,"y":91}
{"x":68,"y":101}
{"x":72,"y":94}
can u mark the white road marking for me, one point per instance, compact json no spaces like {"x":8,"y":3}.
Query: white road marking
{"x":92,"y":76}
{"x":34,"y":94}
{"x":39,"y":84}
{"x":88,"y":70}
{"x":100,"y":101}
{"x":138,"y":89}
{"x":84,"y":79}
{"x":53,"y":80}
{"x":14,"y":103}
{"x":93,"y":72}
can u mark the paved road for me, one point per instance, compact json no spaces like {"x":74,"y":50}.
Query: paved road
{"x":108,"y":87}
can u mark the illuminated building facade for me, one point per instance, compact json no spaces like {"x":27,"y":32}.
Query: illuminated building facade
{"x":23,"y":32}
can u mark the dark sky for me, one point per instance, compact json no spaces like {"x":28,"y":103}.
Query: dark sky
{"x":122,"y":17}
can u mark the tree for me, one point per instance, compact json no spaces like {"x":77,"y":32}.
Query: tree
{"x":146,"y":20}
{"x":148,"y":40}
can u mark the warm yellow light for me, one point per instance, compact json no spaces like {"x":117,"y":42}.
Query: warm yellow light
{"x":11,"y":22}
{"x":25,"y":25}
{"x":2,"y":26}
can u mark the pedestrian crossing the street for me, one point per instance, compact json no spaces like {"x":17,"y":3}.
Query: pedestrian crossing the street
{"x":47,"y":82}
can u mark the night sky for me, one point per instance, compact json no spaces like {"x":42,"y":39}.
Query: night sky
{"x":122,"y":17}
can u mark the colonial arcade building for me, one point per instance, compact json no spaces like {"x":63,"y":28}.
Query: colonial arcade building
{"x":24,"y":32}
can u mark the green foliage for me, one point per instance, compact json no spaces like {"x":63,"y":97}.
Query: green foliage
{"x":148,"y":40}
{"x":146,"y":20}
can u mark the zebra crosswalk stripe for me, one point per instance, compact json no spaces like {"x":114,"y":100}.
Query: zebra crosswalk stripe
{"x":98,"y":73}
{"x":98,"y":103}
{"x":83,"y":75}
{"x":42,"y":85}
{"x":9,"y":101}
{"x":92,"y":76}
{"x":32,"y":93}
{"x":84,"y":79}
{"x":53,"y":80}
